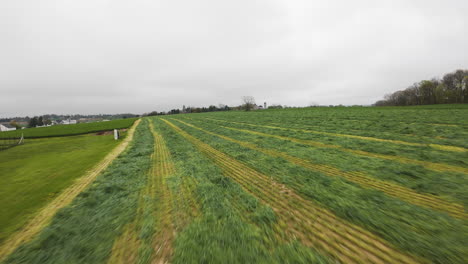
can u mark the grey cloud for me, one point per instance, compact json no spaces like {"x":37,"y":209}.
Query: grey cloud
{"x":102,"y":56}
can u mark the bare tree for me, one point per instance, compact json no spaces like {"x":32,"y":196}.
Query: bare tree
{"x":248,"y":103}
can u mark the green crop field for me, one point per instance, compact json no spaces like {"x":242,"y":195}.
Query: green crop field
{"x":310,"y":185}
{"x":69,"y":130}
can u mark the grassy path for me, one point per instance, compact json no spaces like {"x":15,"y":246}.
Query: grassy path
{"x":41,"y":220}
{"x":364,"y":180}
{"x":400,"y":142}
{"x":313,"y":225}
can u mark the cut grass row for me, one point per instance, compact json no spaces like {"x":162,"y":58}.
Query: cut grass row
{"x":440,"y":179}
{"x":440,"y":167}
{"x":232,"y":226}
{"x":428,"y":154}
{"x":360,"y":178}
{"x":437,"y":135}
{"x":154,"y":207}
{"x":407,"y":226}
{"x":414,"y":125}
{"x":69,"y":130}
{"x":337,"y":238}
{"x":399,"y":142}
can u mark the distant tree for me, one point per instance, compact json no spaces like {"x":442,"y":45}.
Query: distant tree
{"x":40,"y":121}
{"x":427,"y":90}
{"x":152,"y":113}
{"x":465,"y":89}
{"x":212,"y":108}
{"x":248,"y":103}
{"x":452,"y":88}
{"x":32,"y":122}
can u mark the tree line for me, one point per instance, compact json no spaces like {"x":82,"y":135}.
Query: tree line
{"x":39,"y":121}
{"x":451,"y":89}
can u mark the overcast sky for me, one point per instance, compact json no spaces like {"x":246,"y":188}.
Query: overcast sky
{"x":114,"y":56}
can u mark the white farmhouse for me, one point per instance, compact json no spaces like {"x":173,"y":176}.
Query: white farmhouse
{"x":7,"y":127}
{"x":68,"y":122}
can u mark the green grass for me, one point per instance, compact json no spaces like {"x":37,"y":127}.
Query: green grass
{"x":231,"y":225}
{"x":234,"y":227}
{"x":422,"y":231}
{"x":33,"y":174}
{"x":84,"y":232}
{"x":450,"y":185}
{"x":69,"y":130}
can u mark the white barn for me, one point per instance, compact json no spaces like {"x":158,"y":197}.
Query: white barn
{"x":7,"y":127}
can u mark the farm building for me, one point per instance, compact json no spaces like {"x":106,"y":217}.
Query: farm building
{"x":68,"y":122}
{"x":6,"y":127}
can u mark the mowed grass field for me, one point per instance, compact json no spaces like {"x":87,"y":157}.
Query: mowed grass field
{"x":34,"y":173}
{"x":69,"y":130}
{"x":315,"y":185}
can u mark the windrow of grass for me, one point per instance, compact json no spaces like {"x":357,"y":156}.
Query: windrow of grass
{"x":84,"y":232}
{"x":69,"y":130}
{"x":360,"y":137}
{"x":425,"y":151}
{"x":421,"y":231}
{"x":311,"y":223}
{"x":430,"y":165}
{"x":442,"y":134}
{"x":231,"y":226}
{"x":437,"y":126}
{"x":360,"y":178}
{"x":421,"y":153}
{"x":149,"y":236}
{"x":438,"y":179}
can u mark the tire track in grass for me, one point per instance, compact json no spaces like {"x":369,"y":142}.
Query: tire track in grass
{"x":400,"y":192}
{"x":400,"y":142}
{"x":42,"y":219}
{"x":313,"y":225}
{"x":439,"y":167}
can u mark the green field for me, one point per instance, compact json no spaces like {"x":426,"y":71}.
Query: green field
{"x":69,"y":130}
{"x":34,"y":173}
{"x":311,"y":185}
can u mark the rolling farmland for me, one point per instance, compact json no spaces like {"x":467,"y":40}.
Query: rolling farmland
{"x":313,"y":185}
